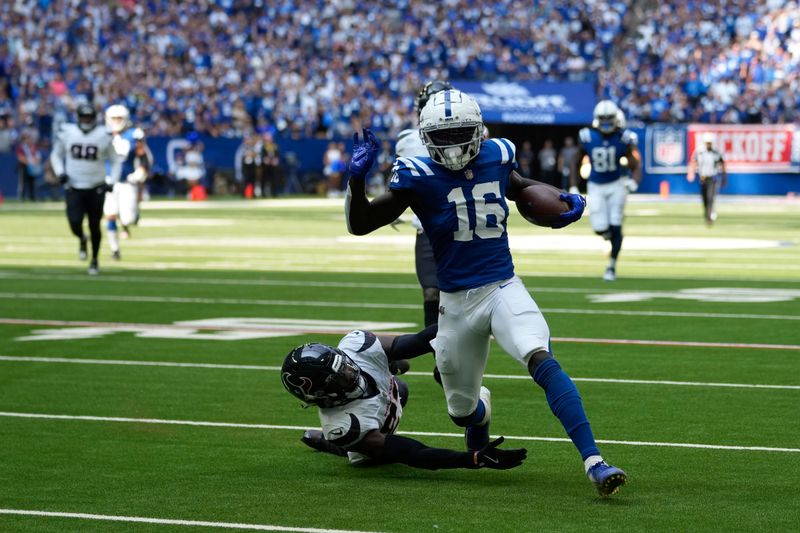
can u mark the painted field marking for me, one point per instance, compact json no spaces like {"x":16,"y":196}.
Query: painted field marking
{"x":198,"y":423}
{"x":124,"y":326}
{"x":268,"y":368}
{"x":331,"y":304}
{"x":172,"y":522}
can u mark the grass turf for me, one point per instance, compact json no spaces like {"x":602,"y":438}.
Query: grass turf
{"x":285,"y":260}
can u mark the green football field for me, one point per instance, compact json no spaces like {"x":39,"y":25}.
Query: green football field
{"x":149,"y":399}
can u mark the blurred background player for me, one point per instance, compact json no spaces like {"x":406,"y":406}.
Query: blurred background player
{"x":709,"y":164}
{"x":79,"y":158}
{"x":611,"y":150}
{"x":360,"y":403}
{"x":409,"y":144}
{"x":122,"y":203}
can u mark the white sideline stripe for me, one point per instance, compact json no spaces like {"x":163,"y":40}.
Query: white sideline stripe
{"x":301,"y":303}
{"x":112,"y":277}
{"x":173,"y":522}
{"x":147,"y":325}
{"x":414,"y":433}
{"x":187,"y":300}
{"x":31,"y":359}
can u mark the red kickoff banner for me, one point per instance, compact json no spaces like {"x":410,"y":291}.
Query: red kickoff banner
{"x":749,"y":147}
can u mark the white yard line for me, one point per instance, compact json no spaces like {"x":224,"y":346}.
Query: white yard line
{"x":172,"y":522}
{"x":68,"y":360}
{"x":197,"y":423}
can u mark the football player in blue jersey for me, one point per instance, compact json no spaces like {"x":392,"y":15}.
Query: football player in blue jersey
{"x":459,"y":194}
{"x":613,"y":154}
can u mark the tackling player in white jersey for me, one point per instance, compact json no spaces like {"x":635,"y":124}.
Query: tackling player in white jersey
{"x":122,"y":203}
{"x":80,"y":155}
{"x":360,"y":403}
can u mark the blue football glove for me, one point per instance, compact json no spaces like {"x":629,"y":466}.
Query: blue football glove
{"x":364,"y":155}
{"x":576,"y":203}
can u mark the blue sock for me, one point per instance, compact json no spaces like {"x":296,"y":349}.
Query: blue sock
{"x":474,"y":418}
{"x":566,"y":404}
{"x":112,"y":225}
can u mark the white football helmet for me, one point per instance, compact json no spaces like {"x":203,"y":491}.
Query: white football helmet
{"x":709,"y":138}
{"x":451,"y":127}
{"x":117,"y":118}
{"x":605,"y":117}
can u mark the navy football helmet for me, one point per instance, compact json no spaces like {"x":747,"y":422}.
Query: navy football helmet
{"x":428,"y":90}
{"x":318,"y":374}
{"x":87,"y":117}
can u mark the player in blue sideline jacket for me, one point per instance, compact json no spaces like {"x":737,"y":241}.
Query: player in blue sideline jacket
{"x":613,"y":155}
{"x":459,"y":194}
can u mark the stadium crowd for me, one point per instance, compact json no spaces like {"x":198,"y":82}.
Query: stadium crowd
{"x":303,"y":67}
{"x":306,"y":67}
{"x":711,"y":61}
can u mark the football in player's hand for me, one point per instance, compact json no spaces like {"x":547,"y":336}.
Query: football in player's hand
{"x":540,"y":204}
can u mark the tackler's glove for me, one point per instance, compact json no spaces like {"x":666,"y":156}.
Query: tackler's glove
{"x":631,"y":184}
{"x":577,"y":204}
{"x":364,"y":154}
{"x":105,"y":187}
{"x":63,"y":179}
{"x":493,"y":457}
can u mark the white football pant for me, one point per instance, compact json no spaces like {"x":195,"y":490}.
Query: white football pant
{"x":504,"y":309}
{"x":606,"y":204}
{"x":123,"y":202}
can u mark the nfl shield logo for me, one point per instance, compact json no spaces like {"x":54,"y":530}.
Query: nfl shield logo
{"x":468,"y":174}
{"x":668,"y":147}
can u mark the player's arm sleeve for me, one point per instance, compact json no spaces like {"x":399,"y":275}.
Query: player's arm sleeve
{"x":57,"y":156}
{"x":410,"y":345}
{"x":363,"y":216}
{"x":116,"y":163}
{"x":397,"y":449}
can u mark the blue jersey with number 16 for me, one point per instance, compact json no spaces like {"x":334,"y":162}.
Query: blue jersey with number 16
{"x":604,"y":152}
{"x":463,"y":213}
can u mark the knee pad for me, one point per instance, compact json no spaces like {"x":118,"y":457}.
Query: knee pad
{"x":537,"y":359}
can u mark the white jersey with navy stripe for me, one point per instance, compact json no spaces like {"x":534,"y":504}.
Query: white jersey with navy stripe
{"x":347,"y":424}
{"x":463,"y":213}
{"x":82,"y":156}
